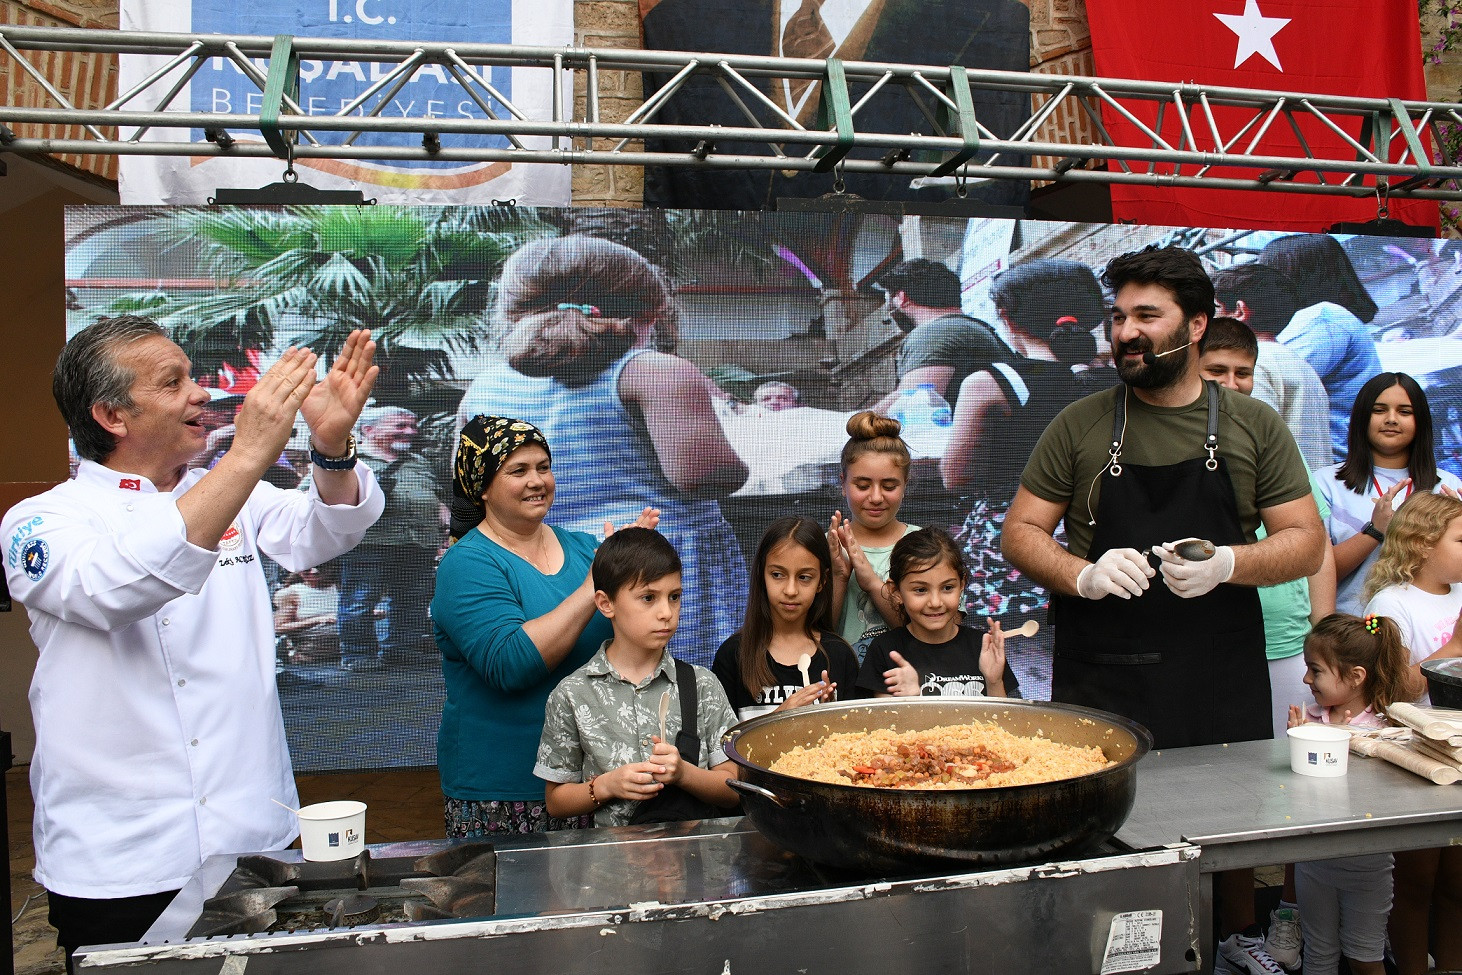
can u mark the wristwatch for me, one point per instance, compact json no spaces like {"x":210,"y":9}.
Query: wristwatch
{"x":345,"y":462}
{"x":1369,"y":528}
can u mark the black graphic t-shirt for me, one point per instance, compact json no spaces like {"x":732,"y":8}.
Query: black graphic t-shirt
{"x":945,"y":669}
{"x":836,"y":658}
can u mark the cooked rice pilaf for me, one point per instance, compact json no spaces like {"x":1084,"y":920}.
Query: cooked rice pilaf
{"x":835,"y":758}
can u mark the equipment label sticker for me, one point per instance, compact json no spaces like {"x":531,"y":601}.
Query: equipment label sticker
{"x":1134,"y":942}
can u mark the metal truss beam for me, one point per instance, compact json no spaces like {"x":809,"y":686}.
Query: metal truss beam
{"x":1384,"y":137}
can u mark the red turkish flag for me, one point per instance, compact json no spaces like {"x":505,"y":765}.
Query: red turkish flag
{"x":1369,"y":48}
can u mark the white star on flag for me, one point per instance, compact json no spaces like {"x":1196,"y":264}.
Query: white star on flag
{"x":1256,"y":33}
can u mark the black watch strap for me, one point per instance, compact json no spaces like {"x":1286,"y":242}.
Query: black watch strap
{"x":1369,"y":528}
{"x":344,"y":462}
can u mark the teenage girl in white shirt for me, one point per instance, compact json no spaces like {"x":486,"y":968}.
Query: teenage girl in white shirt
{"x":1389,"y":456}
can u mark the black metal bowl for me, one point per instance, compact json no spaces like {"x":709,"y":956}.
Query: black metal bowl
{"x":890,"y":831}
{"x":1444,"y":682}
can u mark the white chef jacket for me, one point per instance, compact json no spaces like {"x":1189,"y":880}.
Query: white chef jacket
{"x":159,"y":738}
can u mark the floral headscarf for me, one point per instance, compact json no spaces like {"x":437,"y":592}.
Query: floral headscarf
{"x":482,"y":446}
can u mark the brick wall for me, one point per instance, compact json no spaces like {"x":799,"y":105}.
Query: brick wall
{"x":614,"y":24}
{"x":85,"y":79}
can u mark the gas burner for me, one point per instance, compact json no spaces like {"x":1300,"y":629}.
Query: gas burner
{"x":265,"y":894}
{"x":353,"y":909}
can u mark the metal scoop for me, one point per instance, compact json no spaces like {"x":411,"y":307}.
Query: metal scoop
{"x":1192,"y":549}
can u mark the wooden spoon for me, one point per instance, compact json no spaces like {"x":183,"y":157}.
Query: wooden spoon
{"x":803,"y":663}
{"x":1028,"y":628}
{"x":664,"y":711}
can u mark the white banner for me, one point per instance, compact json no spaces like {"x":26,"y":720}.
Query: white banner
{"x":222,"y":86}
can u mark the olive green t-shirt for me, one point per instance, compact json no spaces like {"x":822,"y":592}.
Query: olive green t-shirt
{"x":1263,"y":461}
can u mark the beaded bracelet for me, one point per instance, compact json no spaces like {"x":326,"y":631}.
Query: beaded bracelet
{"x":592,"y":797}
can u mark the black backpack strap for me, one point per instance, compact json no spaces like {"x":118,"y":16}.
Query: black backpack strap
{"x":687,"y":741}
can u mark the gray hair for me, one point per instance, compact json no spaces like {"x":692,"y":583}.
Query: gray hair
{"x":89,"y":373}
{"x":373,"y":415}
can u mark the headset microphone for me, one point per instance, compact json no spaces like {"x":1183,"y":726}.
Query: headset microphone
{"x":1148,"y":359}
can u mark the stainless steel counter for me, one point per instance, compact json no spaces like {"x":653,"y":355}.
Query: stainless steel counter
{"x":1244,"y":807}
{"x":714,"y":898}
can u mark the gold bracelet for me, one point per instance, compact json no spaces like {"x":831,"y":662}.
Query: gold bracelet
{"x":593,"y":798}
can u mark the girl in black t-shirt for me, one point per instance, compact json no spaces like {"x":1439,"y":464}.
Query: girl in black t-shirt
{"x":788,"y":615}
{"x":933,"y":654}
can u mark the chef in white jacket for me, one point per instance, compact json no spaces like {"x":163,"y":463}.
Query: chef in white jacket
{"x":159,"y":738}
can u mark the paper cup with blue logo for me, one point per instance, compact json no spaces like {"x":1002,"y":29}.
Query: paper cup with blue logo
{"x":1319,"y":749}
{"x":332,"y":830}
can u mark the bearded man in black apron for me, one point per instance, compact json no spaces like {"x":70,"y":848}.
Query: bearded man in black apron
{"x":1133,"y":470}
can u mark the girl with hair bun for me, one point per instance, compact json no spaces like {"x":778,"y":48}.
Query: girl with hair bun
{"x":875,"y":464}
{"x":585,"y":328}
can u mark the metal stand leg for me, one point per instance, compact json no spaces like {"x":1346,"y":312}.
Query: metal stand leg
{"x":1205,"y":924}
{"x":7,"y":951}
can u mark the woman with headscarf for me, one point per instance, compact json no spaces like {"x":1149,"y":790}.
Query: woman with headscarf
{"x":513,"y":615}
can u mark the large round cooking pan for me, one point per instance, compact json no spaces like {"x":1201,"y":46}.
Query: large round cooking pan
{"x":884,"y":830}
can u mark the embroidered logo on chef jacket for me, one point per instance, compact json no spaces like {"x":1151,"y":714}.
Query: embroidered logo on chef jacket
{"x":230,"y":542}
{"x":35,"y":556}
{"x":130,"y":483}
{"x":22,"y":532}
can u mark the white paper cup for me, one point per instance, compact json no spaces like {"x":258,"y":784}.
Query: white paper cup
{"x":332,"y":830}
{"x":1319,"y":749}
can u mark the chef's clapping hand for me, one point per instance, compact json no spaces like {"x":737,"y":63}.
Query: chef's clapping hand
{"x":902,"y":680}
{"x":1118,"y":572}
{"x":635,"y":781}
{"x":1187,"y":578}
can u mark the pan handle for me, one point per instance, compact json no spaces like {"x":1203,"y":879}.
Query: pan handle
{"x":756,"y":791}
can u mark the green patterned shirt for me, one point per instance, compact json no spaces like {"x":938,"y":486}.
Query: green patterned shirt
{"x":597,"y":721}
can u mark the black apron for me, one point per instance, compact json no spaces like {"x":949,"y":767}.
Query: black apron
{"x":1193,"y":671}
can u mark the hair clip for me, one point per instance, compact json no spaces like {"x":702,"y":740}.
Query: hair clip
{"x":1372,"y":623}
{"x":591,"y":311}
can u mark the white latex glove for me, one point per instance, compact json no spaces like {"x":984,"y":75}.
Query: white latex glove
{"x":1119,"y":572}
{"x":1188,"y":579}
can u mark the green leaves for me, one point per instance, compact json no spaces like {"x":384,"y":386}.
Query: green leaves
{"x":420,"y":277}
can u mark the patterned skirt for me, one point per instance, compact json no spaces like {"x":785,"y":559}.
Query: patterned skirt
{"x":487,"y":817}
{"x":996,"y":587}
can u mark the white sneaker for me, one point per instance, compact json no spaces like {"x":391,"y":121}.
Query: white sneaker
{"x":1282,"y":943}
{"x":1247,"y":955}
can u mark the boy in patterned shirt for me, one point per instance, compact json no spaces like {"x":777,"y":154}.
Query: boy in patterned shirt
{"x":601,"y":749}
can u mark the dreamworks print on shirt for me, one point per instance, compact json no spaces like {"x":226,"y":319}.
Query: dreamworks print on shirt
{"x":959,"y":685}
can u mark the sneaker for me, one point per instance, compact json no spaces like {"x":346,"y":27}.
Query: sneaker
{"x":1282,"y":943}
{"x":1246,"y":956}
